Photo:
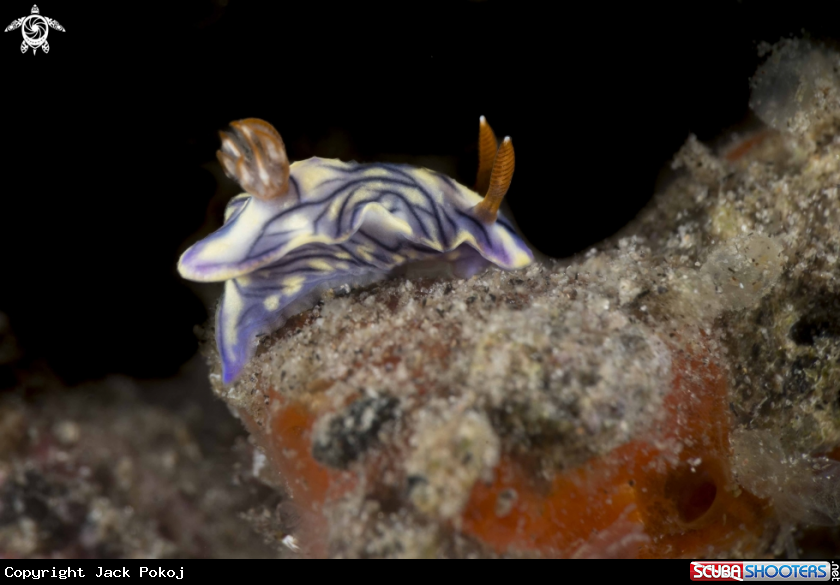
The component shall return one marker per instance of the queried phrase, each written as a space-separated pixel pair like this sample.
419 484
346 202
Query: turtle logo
35 28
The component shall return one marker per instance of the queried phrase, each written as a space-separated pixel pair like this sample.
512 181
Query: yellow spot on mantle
320 265
272 303
292 284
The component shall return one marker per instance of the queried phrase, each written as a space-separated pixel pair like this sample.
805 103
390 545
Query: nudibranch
299 229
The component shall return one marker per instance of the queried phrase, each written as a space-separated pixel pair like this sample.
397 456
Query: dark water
106 137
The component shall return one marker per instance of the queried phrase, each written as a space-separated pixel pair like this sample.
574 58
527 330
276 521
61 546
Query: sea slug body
317 223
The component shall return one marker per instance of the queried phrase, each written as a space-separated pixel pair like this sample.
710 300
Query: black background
106 139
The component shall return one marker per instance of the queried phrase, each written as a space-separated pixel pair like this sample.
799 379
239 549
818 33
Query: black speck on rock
798 383
352 431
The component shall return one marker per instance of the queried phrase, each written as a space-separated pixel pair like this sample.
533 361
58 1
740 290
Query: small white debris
291 543
258 463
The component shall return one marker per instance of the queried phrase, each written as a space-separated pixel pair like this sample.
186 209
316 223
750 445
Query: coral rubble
112 470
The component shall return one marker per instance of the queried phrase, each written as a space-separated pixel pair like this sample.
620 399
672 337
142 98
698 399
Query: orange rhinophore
495 172
254 155
487 147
